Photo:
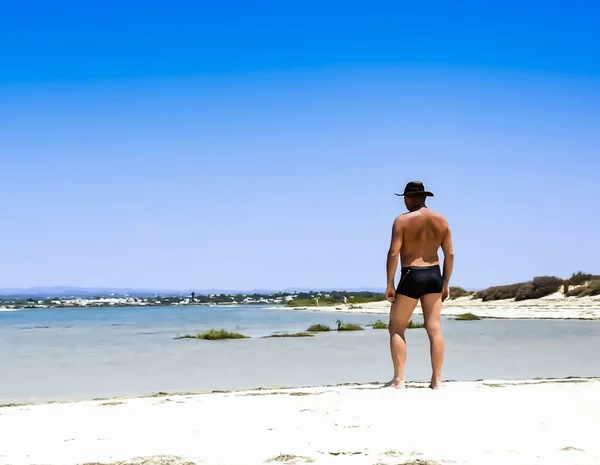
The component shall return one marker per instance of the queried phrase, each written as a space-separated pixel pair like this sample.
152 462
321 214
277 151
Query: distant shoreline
577 297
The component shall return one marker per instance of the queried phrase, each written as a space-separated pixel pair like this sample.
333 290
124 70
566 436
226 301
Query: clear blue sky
258 144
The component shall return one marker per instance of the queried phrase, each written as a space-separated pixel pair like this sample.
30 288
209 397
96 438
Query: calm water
86 353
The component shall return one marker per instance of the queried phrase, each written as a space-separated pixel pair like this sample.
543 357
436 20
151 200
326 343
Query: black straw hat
415 188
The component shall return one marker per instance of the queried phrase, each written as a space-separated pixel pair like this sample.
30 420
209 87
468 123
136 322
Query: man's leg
432 310
400 314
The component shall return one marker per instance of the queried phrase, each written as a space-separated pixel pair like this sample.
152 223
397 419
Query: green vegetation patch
213 335
316 299
467 317
379 325
318 329
318 302
413 325
341 326
302 334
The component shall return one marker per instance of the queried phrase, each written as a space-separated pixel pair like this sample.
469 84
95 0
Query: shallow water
56 354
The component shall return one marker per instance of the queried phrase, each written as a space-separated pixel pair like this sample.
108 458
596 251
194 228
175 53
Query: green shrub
379 325
508 291
579 278
319 329
302 334
467 317
341 326
541 286
412 325
213 335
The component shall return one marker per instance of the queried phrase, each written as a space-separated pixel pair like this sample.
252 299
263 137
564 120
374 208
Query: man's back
423 232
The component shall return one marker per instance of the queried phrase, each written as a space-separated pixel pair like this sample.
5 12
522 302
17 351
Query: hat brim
408 194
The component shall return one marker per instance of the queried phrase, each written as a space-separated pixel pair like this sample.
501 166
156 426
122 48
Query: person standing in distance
416 238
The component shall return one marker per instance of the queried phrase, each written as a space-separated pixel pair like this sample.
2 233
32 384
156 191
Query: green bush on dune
456 292
508 291
579 278
540 286
592 288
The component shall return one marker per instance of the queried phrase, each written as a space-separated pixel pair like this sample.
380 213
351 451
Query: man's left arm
392 259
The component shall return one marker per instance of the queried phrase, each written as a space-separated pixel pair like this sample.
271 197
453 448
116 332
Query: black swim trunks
416 281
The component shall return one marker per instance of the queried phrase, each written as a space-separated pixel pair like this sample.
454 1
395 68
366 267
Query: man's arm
448 250
394 252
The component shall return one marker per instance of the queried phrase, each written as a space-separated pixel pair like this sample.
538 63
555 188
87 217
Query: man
416 238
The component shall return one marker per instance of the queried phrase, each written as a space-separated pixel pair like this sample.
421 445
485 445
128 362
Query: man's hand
445 292
390 294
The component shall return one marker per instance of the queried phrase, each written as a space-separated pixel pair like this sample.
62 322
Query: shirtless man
416 238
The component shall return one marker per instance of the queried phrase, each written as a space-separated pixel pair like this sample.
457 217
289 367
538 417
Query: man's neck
417 207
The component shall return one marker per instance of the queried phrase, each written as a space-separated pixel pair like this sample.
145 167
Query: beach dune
490 422
551 307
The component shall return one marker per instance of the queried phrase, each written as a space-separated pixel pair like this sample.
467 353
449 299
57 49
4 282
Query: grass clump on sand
467 317
318 329
591 289
413 325
213 335
379 325
341 326
302 334
588 285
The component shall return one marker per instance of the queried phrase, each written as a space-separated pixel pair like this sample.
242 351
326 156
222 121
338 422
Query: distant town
123 300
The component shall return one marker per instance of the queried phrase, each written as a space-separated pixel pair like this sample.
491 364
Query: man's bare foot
435 384
396 384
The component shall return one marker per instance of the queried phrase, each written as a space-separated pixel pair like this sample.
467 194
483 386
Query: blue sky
258 145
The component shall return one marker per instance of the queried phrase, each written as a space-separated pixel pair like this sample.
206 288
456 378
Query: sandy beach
489 422
556 306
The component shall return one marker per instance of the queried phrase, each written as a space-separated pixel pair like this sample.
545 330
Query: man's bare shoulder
439 216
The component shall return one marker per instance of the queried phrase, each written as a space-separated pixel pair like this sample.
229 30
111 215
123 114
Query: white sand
519 423
556 306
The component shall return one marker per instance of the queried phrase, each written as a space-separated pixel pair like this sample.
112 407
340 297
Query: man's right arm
448 249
